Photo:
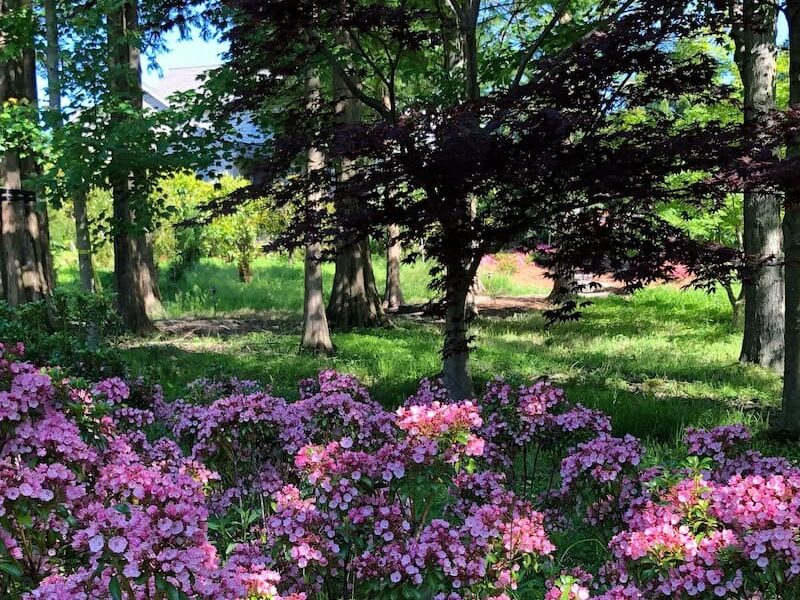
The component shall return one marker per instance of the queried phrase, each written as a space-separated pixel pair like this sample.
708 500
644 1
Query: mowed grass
658 361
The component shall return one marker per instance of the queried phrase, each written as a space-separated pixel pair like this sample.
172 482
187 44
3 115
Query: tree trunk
393 298
82 235
455 352
316 336
354 301
563 288
135 274
148 281
52 59
735 302
763 243
791 229
83 242
469 33
245 272
26 272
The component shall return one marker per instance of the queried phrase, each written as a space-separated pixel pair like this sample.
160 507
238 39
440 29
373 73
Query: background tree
578 135
53 11
108 142
354 301
25 263
316 334
393 295
135 276
756 56
791 229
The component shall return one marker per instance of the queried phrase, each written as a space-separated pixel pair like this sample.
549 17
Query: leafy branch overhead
581 140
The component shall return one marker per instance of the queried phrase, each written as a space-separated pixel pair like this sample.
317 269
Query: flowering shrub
108 491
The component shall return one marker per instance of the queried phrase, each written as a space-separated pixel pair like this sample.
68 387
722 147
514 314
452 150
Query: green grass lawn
277 286
656 362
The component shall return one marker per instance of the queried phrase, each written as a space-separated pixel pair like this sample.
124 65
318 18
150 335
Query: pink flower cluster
253 497
113 390
717 443
600 461
519 419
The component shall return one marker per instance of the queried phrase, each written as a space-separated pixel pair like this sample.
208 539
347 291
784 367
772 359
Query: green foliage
178 244
235 238
238 237
724 226
182 193
20 131
657 361
782 79
73 330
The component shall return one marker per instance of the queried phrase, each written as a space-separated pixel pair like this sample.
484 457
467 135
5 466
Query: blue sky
184 53
783 29
198 52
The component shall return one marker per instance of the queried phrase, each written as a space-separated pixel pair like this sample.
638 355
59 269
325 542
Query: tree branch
367 58
531 52
357 92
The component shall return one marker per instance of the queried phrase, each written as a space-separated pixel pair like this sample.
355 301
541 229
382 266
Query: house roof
181 79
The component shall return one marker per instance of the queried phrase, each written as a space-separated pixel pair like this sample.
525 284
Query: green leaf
114 588
11 569
173 593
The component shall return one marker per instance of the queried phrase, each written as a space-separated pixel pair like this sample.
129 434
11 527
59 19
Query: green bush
74 330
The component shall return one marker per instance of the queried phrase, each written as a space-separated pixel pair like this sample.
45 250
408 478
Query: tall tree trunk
791 229
148 281
135 274
466 13
82 235
354 302
52 59
468 24
26 272
316 335
393 298
455 352
83 242
763 240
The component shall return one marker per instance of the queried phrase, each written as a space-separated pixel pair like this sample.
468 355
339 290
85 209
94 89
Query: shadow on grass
653 376
390 361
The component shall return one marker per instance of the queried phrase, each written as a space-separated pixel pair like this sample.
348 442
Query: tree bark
83 242
791 229
354 302
148 280
316 335
26 272
763 239
455 352
245 272
563 288
393 298
135 275
52 59
469 33
82 235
